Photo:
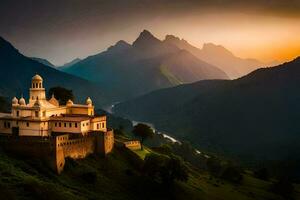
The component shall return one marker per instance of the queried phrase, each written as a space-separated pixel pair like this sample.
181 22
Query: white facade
42 117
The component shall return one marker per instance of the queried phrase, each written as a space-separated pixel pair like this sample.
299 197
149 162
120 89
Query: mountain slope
219 56
69 64
17 71
148 64
256 115
43 61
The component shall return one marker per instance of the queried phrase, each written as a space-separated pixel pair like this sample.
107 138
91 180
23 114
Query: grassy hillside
116 177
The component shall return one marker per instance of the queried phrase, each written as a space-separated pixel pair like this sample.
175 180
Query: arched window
40 85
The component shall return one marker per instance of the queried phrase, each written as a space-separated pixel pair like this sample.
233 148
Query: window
44 113
65 124
75 125
4 124
59 124
98 126
17 123
36 113
27 124
83 124
70 125
55 124
18 113
40 85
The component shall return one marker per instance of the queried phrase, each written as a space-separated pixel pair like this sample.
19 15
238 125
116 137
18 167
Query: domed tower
15 101
37 91
89 102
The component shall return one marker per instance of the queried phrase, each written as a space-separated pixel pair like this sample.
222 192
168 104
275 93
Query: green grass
115 177
143 152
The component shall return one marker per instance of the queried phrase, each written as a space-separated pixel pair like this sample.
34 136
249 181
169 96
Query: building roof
76 118
37 77
80 105
5 115
69 118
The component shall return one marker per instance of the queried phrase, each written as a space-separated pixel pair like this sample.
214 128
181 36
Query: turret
69 102
15 101
89 102
37 91
22 101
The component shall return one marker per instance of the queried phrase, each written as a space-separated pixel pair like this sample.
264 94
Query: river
110 108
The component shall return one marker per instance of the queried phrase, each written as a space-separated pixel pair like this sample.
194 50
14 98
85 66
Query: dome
22 101
14 101
69 102
37 78
89 101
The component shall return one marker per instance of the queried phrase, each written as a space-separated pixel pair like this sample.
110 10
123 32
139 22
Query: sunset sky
63 30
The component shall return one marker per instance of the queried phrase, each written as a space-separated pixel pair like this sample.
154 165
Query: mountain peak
173 38
119 46
146 33
210 47
145 38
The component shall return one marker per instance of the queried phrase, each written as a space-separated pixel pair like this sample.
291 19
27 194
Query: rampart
54 150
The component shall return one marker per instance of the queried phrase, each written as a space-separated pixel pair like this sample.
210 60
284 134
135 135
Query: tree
61 94
4 105
232 174
165 169
143 131
174 169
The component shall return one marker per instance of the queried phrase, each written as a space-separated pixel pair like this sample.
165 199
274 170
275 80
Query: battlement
53 150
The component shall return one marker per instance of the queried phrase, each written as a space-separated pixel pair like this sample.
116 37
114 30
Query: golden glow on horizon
265 38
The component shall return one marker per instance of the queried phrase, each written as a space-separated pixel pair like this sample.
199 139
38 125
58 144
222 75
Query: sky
60 31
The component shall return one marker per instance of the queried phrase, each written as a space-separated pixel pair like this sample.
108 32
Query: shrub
165 169
232 174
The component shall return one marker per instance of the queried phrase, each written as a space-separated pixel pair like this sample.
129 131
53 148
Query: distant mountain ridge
43 61
69 64
256 116
17 71
217 55
148 64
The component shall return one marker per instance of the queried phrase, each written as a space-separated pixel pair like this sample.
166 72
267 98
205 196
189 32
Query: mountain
69 64
17 71
256 116
126 71
219 56
43 61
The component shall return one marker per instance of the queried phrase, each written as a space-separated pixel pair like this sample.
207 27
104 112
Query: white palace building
42 117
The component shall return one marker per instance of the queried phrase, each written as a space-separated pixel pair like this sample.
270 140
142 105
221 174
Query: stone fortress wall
53 150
